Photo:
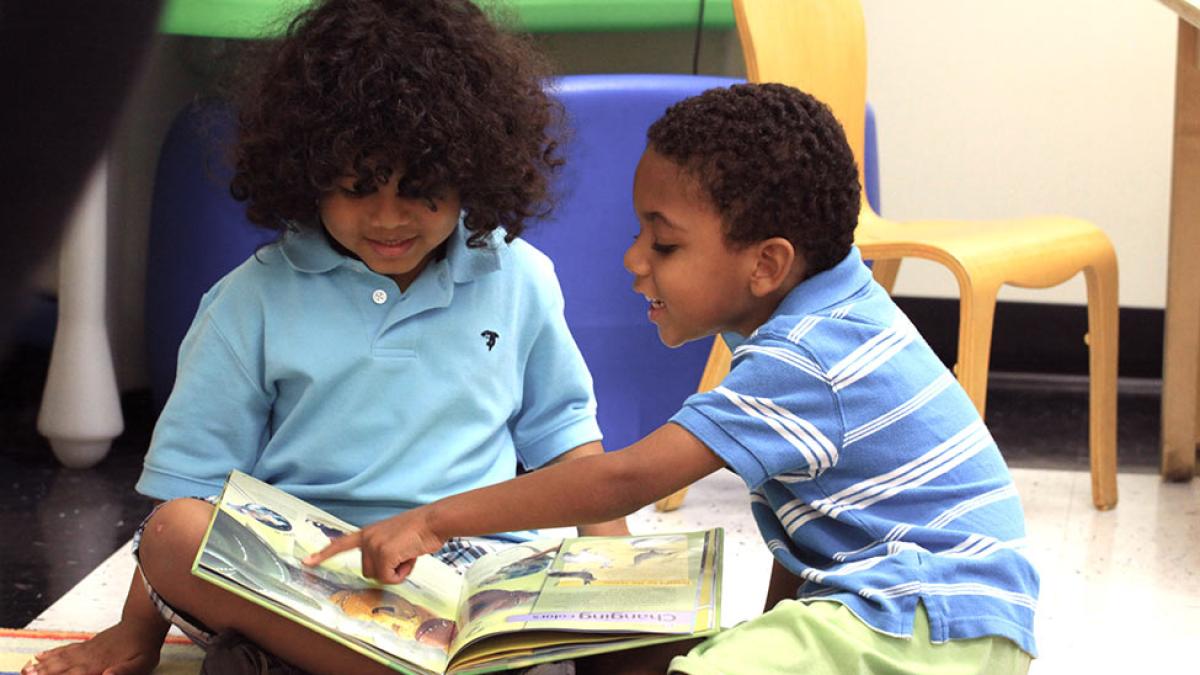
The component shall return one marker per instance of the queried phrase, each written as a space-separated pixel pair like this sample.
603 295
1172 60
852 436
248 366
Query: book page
655 584
254 547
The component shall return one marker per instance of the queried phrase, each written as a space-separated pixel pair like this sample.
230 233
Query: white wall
994 109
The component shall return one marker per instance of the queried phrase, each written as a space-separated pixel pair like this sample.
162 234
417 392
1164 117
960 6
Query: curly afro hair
775 163
429 88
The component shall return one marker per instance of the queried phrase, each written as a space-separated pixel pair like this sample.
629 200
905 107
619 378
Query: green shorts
826 637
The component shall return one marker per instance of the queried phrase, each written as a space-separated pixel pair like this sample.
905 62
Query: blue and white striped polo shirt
873 478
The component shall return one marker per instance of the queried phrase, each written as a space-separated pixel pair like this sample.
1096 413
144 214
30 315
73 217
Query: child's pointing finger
349 541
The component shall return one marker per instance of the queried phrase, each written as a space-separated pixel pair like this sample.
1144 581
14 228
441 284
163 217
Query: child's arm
782 586
591 489
611 528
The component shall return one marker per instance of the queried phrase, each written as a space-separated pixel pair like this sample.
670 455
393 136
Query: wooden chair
819 46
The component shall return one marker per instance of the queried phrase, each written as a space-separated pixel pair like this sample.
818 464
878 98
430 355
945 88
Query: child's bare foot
124 649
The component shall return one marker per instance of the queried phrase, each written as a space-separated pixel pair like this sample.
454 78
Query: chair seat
1033 252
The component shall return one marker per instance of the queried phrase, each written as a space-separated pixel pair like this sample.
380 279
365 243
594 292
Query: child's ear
774 265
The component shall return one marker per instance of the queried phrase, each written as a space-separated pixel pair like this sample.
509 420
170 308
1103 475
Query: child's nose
635 258
395 210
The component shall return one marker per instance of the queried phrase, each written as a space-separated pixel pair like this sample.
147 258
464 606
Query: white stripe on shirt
802 327
901 411
964 507
944 518
915 587
814 447
787 356
947 455
873 353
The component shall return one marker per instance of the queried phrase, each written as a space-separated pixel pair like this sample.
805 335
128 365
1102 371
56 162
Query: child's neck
760 314
764 307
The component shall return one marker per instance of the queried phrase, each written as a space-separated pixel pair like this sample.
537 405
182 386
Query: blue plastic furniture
871 163
198 232
639 382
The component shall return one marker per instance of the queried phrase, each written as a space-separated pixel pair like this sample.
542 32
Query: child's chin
673 341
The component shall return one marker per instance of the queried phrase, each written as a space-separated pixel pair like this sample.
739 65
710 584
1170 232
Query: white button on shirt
379 296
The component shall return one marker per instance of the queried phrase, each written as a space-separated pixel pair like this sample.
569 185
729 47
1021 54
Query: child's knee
172 536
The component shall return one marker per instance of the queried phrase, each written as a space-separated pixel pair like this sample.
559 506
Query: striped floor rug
17 647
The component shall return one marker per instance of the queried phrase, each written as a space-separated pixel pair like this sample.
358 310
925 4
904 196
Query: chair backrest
639 382
817 46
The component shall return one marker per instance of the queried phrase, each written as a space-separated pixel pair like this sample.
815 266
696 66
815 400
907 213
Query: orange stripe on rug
71 636
18 647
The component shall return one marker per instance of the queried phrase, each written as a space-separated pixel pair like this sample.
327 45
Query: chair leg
715 370
671 502
977 311
1103 344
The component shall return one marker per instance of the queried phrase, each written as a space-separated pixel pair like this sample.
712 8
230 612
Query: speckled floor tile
1129 577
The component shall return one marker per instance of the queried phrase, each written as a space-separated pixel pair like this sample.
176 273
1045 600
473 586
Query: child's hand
389 547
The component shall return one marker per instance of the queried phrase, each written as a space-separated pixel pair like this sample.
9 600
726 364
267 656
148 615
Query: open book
544 600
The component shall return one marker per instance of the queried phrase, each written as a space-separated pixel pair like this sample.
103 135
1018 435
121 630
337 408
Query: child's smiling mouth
656 307
391 248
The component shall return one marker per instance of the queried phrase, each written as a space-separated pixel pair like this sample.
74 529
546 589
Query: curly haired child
396 345
892 518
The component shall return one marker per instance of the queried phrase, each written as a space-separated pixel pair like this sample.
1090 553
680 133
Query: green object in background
267 18
227 18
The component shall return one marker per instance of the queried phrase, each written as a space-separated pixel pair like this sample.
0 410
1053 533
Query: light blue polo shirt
873 479
307 370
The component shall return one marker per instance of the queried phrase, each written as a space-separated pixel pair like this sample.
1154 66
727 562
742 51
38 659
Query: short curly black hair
431 88
775 163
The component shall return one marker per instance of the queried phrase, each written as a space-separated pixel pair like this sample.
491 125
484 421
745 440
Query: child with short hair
396 345
891 515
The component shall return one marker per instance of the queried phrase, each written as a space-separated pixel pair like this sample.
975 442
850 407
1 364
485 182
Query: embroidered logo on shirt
491 336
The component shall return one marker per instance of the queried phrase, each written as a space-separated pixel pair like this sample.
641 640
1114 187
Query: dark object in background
198 231
67 68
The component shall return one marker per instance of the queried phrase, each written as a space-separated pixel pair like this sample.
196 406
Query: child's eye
410 189
353 191
663 249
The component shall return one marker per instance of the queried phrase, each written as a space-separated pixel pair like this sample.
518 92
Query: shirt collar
827 289
308 250
467 263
